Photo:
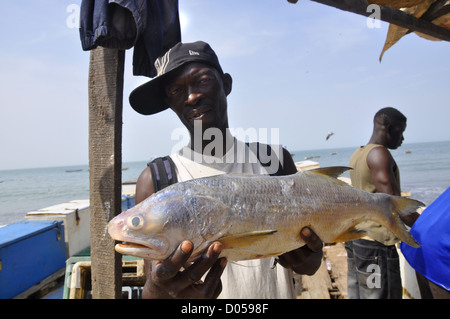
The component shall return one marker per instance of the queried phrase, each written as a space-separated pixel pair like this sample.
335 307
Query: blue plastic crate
30 251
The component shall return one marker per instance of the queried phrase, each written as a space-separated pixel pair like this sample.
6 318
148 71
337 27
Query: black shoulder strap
269 152
163 172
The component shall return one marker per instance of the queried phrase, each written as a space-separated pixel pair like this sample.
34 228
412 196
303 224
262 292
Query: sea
424 172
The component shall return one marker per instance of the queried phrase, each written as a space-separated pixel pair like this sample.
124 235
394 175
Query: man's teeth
198 115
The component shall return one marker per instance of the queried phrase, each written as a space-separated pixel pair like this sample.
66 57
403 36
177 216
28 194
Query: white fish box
409 280
75 217
306 165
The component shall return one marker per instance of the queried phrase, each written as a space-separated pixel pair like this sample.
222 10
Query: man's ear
387 128
227 83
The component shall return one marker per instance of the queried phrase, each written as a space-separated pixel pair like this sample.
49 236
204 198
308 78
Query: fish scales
255 216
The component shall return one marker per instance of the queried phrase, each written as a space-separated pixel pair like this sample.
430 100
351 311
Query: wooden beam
105 162
393 16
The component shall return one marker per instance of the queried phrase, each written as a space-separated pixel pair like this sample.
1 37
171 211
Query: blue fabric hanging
432 231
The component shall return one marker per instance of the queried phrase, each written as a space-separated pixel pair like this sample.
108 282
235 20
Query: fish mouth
142 251
133 249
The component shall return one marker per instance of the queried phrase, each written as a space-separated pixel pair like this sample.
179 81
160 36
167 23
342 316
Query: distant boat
310 157
333 153
124 168
407 152
73 170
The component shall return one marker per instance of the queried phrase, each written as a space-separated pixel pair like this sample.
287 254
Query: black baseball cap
149 97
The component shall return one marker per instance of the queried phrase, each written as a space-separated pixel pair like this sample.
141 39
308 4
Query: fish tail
401 207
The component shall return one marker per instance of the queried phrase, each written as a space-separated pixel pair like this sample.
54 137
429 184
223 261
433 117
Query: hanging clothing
151 26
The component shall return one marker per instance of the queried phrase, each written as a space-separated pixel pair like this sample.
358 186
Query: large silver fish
256 216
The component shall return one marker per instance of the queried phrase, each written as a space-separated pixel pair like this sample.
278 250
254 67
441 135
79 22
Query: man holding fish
231 207
191 82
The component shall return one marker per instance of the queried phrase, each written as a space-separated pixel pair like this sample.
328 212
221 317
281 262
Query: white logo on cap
162 62
193 53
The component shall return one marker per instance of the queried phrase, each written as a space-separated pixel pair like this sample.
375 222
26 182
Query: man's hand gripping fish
256 216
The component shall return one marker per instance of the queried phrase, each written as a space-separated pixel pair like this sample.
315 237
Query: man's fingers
213 284
311 239
187 283
211 287
196 271
169 267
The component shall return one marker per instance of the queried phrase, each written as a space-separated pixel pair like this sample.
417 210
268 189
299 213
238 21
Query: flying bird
329 135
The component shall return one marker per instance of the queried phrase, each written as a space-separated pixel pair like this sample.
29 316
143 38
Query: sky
299 71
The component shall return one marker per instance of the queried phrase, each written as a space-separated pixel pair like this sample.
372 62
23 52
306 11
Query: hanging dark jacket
151 26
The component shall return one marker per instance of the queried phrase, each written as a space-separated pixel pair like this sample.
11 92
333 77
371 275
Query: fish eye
135 222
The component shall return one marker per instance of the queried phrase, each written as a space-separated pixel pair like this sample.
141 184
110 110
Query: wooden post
105 167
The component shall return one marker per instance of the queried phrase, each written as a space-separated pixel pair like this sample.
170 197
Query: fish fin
403 207
406 206
244 239
389 217
350 234
332 171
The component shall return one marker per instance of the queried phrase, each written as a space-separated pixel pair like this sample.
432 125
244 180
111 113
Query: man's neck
213 141
377 139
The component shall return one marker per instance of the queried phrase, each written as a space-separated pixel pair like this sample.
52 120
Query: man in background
373 263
